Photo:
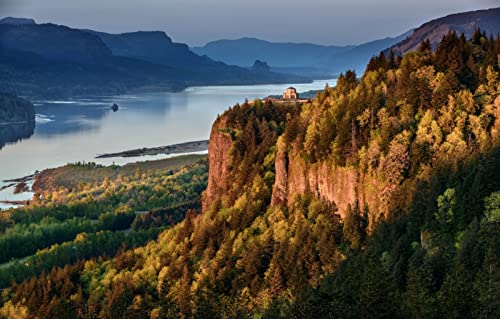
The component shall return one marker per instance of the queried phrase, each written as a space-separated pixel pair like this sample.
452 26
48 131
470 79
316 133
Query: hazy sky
199 21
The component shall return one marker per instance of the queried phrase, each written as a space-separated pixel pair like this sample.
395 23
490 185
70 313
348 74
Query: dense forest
14 109
117 207
421 133
17 119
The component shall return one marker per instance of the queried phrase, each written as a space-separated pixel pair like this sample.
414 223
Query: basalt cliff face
218 156
294 176
371 189
326 181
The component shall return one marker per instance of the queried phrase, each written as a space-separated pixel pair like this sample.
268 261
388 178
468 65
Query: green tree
455 294
492 207
487 289
419 301
353 227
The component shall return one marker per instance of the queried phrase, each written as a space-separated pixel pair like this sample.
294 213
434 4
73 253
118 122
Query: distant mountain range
302 58
321 60
55 60
466 22
245 51
156 47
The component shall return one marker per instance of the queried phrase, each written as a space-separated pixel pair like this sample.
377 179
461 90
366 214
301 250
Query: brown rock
218 161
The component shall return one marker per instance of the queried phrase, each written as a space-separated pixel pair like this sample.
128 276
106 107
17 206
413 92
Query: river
74 130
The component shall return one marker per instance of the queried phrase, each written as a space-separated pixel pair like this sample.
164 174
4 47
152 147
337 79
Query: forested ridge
116 208
419 135
14 109
17 118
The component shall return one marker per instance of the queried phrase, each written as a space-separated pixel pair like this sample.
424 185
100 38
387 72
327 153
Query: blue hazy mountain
55 60
245 51
357 58
295 57
17 21
158 48
53 42
153 46
466 22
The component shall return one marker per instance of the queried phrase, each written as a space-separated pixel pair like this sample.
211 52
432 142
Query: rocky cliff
343 186
373 184
294 176
218 157
332 184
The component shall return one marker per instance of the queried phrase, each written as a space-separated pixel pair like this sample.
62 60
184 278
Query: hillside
71 62
17 119
355 58
53 42
14 109
16 21
245 51
85 210
466 22
156 47
300 58
378 199
48 60
152 46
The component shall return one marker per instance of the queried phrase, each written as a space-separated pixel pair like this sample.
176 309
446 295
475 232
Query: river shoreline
15 123
86 128
187 147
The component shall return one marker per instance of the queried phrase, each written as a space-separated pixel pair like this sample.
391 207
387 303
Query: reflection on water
81 115
79 129
10 133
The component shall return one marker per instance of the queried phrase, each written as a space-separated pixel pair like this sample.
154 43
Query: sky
196 22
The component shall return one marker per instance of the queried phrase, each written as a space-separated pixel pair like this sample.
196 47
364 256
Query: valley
75 214
373 194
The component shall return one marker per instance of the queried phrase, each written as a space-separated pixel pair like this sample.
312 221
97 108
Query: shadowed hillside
467 23
48 60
